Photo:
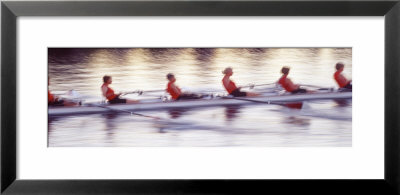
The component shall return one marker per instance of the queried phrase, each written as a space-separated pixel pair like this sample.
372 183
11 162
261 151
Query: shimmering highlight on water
318 123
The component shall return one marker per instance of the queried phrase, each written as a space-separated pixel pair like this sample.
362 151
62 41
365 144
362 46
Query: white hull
54 111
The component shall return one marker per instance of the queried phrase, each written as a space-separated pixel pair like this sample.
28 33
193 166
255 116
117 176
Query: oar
132 92
161 96
159 119
251 86
263 102
256 101
140 92
318 87
149 95
127 111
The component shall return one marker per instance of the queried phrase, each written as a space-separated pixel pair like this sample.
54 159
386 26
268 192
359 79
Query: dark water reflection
177 112
323 123
232 112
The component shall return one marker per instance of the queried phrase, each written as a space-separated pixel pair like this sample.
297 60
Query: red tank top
230 87
173 94
50 97
340 79
287 86
110 95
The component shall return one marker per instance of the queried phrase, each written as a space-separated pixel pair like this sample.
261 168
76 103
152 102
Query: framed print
134 67
182 70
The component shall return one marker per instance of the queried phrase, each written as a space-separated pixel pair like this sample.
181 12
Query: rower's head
285 70
107 79
228 71
171 77
339 66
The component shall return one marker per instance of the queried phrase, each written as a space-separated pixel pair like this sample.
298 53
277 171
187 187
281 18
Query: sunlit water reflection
318 123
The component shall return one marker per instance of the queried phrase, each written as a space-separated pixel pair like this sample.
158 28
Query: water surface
318 123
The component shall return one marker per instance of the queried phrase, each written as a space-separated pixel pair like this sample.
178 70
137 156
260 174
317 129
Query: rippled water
318 123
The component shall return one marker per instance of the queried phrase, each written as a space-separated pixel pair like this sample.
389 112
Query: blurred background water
318 123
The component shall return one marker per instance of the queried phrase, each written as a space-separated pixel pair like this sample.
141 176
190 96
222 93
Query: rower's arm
226 83
289 82
176 89
342 77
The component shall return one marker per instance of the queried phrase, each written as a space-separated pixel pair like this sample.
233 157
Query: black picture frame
10 10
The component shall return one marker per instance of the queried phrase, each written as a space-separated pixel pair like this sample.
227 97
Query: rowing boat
216 101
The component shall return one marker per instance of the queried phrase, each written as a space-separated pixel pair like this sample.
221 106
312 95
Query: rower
109 94
230 86
340 79
175 91
287 84
56 101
